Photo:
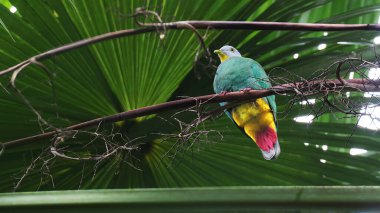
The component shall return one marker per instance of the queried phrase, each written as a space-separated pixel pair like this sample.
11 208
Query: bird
257 118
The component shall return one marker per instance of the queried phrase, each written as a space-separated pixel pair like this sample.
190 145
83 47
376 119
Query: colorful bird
256 119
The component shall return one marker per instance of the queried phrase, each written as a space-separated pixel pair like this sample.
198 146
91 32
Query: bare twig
334 106
161 28
28 170
114 142
41 121
2 148
338 69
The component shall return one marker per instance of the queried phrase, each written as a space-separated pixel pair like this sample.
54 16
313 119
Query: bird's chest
231 80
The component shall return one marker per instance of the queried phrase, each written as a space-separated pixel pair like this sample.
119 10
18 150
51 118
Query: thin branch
2 148
28 170
338 70
184 25
328 85
40 119
261 25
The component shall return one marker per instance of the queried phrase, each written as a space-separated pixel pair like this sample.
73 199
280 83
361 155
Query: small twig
199 36
161 28
338 73
28 170
142 11
334 106
108 153
40 119
16 72
2 148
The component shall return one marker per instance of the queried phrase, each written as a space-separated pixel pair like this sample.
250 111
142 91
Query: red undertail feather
266 139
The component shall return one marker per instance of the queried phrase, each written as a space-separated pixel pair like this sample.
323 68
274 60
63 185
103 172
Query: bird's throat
222 57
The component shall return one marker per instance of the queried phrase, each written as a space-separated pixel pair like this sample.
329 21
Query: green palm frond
132 72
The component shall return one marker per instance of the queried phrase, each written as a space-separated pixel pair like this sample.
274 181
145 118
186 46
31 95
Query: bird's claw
245 90
223 93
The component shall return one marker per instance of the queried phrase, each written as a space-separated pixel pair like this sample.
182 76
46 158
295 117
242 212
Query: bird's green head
227 52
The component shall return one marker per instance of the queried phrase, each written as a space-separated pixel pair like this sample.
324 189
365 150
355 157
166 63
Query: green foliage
132 72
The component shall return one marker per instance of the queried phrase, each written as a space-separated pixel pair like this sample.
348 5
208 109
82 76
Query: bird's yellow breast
254 117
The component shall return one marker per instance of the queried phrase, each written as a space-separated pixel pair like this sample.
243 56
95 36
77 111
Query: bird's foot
245 90
223 93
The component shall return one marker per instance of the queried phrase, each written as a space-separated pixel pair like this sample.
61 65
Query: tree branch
260 25
364 85
78 44
184 25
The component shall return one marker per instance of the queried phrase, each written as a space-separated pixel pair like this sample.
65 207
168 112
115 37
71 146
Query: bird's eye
232 49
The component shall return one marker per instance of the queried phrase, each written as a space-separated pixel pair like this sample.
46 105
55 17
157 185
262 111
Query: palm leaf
128 73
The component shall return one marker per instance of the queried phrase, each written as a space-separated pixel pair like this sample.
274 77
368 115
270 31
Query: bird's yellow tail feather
257 121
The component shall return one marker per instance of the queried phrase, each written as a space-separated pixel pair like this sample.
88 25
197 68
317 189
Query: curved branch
199 37
334 106
78 44
181 25
329 85
338 76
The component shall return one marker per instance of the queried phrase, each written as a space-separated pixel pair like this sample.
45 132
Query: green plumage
238 73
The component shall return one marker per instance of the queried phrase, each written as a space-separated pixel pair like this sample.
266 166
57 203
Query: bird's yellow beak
218 52
221 55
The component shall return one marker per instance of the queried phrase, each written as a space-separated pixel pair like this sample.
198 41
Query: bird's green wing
261 81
